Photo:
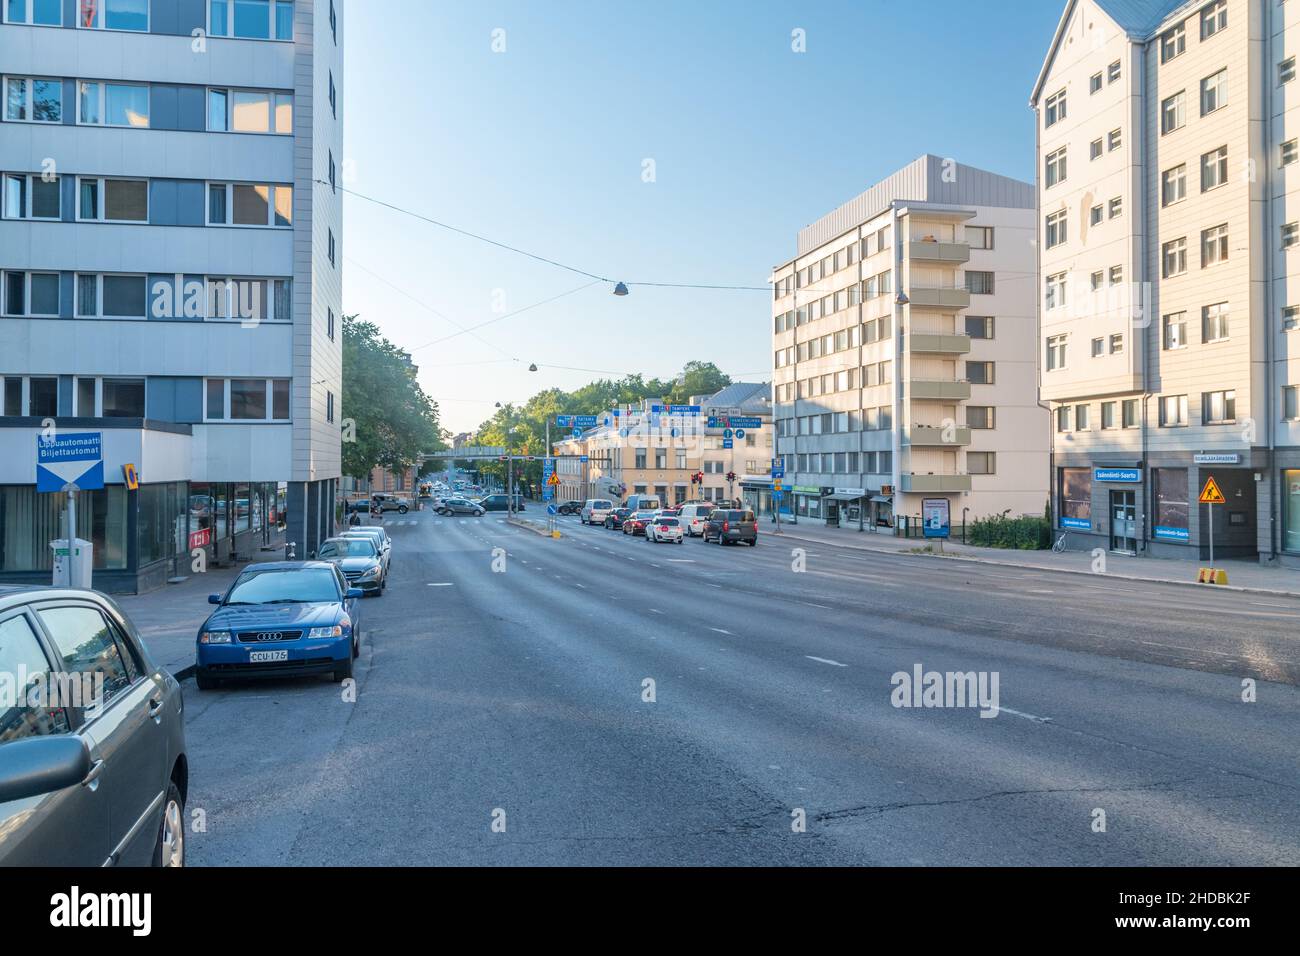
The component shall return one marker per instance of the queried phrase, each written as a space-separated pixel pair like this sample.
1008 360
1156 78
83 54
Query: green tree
389 420
698 378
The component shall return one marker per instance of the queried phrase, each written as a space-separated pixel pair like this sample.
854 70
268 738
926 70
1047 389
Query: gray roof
928 179
1139 18
741 395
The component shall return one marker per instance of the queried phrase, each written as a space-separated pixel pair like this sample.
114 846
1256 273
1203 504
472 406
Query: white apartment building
903 352
169 254
1169 227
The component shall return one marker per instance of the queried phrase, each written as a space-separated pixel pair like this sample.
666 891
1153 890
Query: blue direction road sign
726 433
563 421
552 510
778 495
584 458
74 458
728 443
734 421
740 433
778 467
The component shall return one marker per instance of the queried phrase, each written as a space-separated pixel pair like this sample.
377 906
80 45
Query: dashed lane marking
825 660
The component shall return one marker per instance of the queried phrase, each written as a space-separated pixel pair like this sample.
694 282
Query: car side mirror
214 598
40 765
354 593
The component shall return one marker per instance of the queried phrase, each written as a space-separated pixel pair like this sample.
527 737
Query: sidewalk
1243 575
169 619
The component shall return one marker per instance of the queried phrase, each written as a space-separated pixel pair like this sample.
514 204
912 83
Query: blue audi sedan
281 619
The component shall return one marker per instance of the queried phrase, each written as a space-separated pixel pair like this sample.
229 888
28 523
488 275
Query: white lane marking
681 560
577 585
655 610
442 584
718 586
1017 713
653 565
823 660
721 631
824 607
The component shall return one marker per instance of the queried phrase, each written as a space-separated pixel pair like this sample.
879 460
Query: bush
1026 533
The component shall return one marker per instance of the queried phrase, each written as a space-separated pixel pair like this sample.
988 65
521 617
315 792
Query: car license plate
263 657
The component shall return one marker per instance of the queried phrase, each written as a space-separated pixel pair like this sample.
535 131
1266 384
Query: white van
596 510
643 503
694 516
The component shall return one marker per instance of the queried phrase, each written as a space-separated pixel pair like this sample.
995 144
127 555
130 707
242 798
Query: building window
250 111
1055 111
1214 92
1098 347
330 325
980 416
1174 257
130 15
112 200
1290 403
1214 322
1219 408
1095 280
1286 70
33 99
1096 215
1116 275
38 13
1055 167
31 294
248 299
1214 17
1290 234
251 19
249 400
113 104
1290 152
1115 208
1291 522
1173 185
334 97
1173 411
1114 140
1076 497
329 407
122 398
1117 343
1056 229
1094 83
1113 72
980 373
979 283
1174 331
1290 317
1173 112
979 326
1173 43
1095 149
330 248
32 197
1108 419
1063 418
1056 352
1129 411
1082 422
981 463
250 204
1055 290
1214 245
1169 488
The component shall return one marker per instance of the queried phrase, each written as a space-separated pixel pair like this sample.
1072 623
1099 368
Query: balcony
935 484
956 253
938 344
932 435
931 297
933 390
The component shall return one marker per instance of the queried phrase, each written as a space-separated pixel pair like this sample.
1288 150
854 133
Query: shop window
1076 498
1169 488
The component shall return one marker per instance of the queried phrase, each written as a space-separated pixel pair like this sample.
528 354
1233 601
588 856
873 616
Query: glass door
1123 522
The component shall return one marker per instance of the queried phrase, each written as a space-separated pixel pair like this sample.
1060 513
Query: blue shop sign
1080 524
1125 476
1173 534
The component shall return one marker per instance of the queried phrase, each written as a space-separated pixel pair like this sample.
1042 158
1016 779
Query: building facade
903 358
1170 196
169 252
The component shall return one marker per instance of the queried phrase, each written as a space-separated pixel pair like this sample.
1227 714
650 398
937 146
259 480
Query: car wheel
170 849
681 540
402 509
343 673
479 513
203 682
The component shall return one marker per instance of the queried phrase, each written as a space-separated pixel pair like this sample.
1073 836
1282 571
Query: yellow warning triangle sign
1211 495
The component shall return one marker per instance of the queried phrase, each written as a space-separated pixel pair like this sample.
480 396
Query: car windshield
600 504
347 548
285 586
364 536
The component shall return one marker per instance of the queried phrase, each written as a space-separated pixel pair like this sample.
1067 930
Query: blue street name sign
1126 476
75 458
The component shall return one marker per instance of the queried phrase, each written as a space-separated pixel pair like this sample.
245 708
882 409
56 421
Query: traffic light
731 476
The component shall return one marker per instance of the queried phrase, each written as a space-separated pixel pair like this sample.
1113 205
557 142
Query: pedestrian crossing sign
1211 495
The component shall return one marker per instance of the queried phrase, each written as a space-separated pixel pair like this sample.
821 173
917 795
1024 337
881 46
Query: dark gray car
461 506
93 768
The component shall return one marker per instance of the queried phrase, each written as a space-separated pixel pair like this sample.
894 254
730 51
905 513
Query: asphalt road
517 696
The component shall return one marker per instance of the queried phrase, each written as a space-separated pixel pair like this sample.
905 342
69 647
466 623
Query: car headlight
319 633
214 637
372 573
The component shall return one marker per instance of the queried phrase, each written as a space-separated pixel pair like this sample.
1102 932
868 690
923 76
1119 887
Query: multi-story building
672 452
170 255
904 368
1169 198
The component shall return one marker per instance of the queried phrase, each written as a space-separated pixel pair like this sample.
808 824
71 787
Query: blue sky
542 147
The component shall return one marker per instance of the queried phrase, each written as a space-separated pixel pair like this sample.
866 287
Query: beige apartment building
903 352
680 453
1169 226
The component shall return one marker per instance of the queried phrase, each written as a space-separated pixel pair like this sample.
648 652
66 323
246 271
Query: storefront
845 507
757 495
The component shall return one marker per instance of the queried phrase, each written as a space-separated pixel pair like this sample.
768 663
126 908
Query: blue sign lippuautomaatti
76 458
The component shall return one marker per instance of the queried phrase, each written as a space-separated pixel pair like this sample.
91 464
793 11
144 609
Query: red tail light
725 526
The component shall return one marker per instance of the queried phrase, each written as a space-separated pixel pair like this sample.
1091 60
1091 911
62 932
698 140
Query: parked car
379 536
281 619
595 510
95 785
635 523
665 528
569 507
500 502
359 560
614 520
728 525
460 506
386 502
694 516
